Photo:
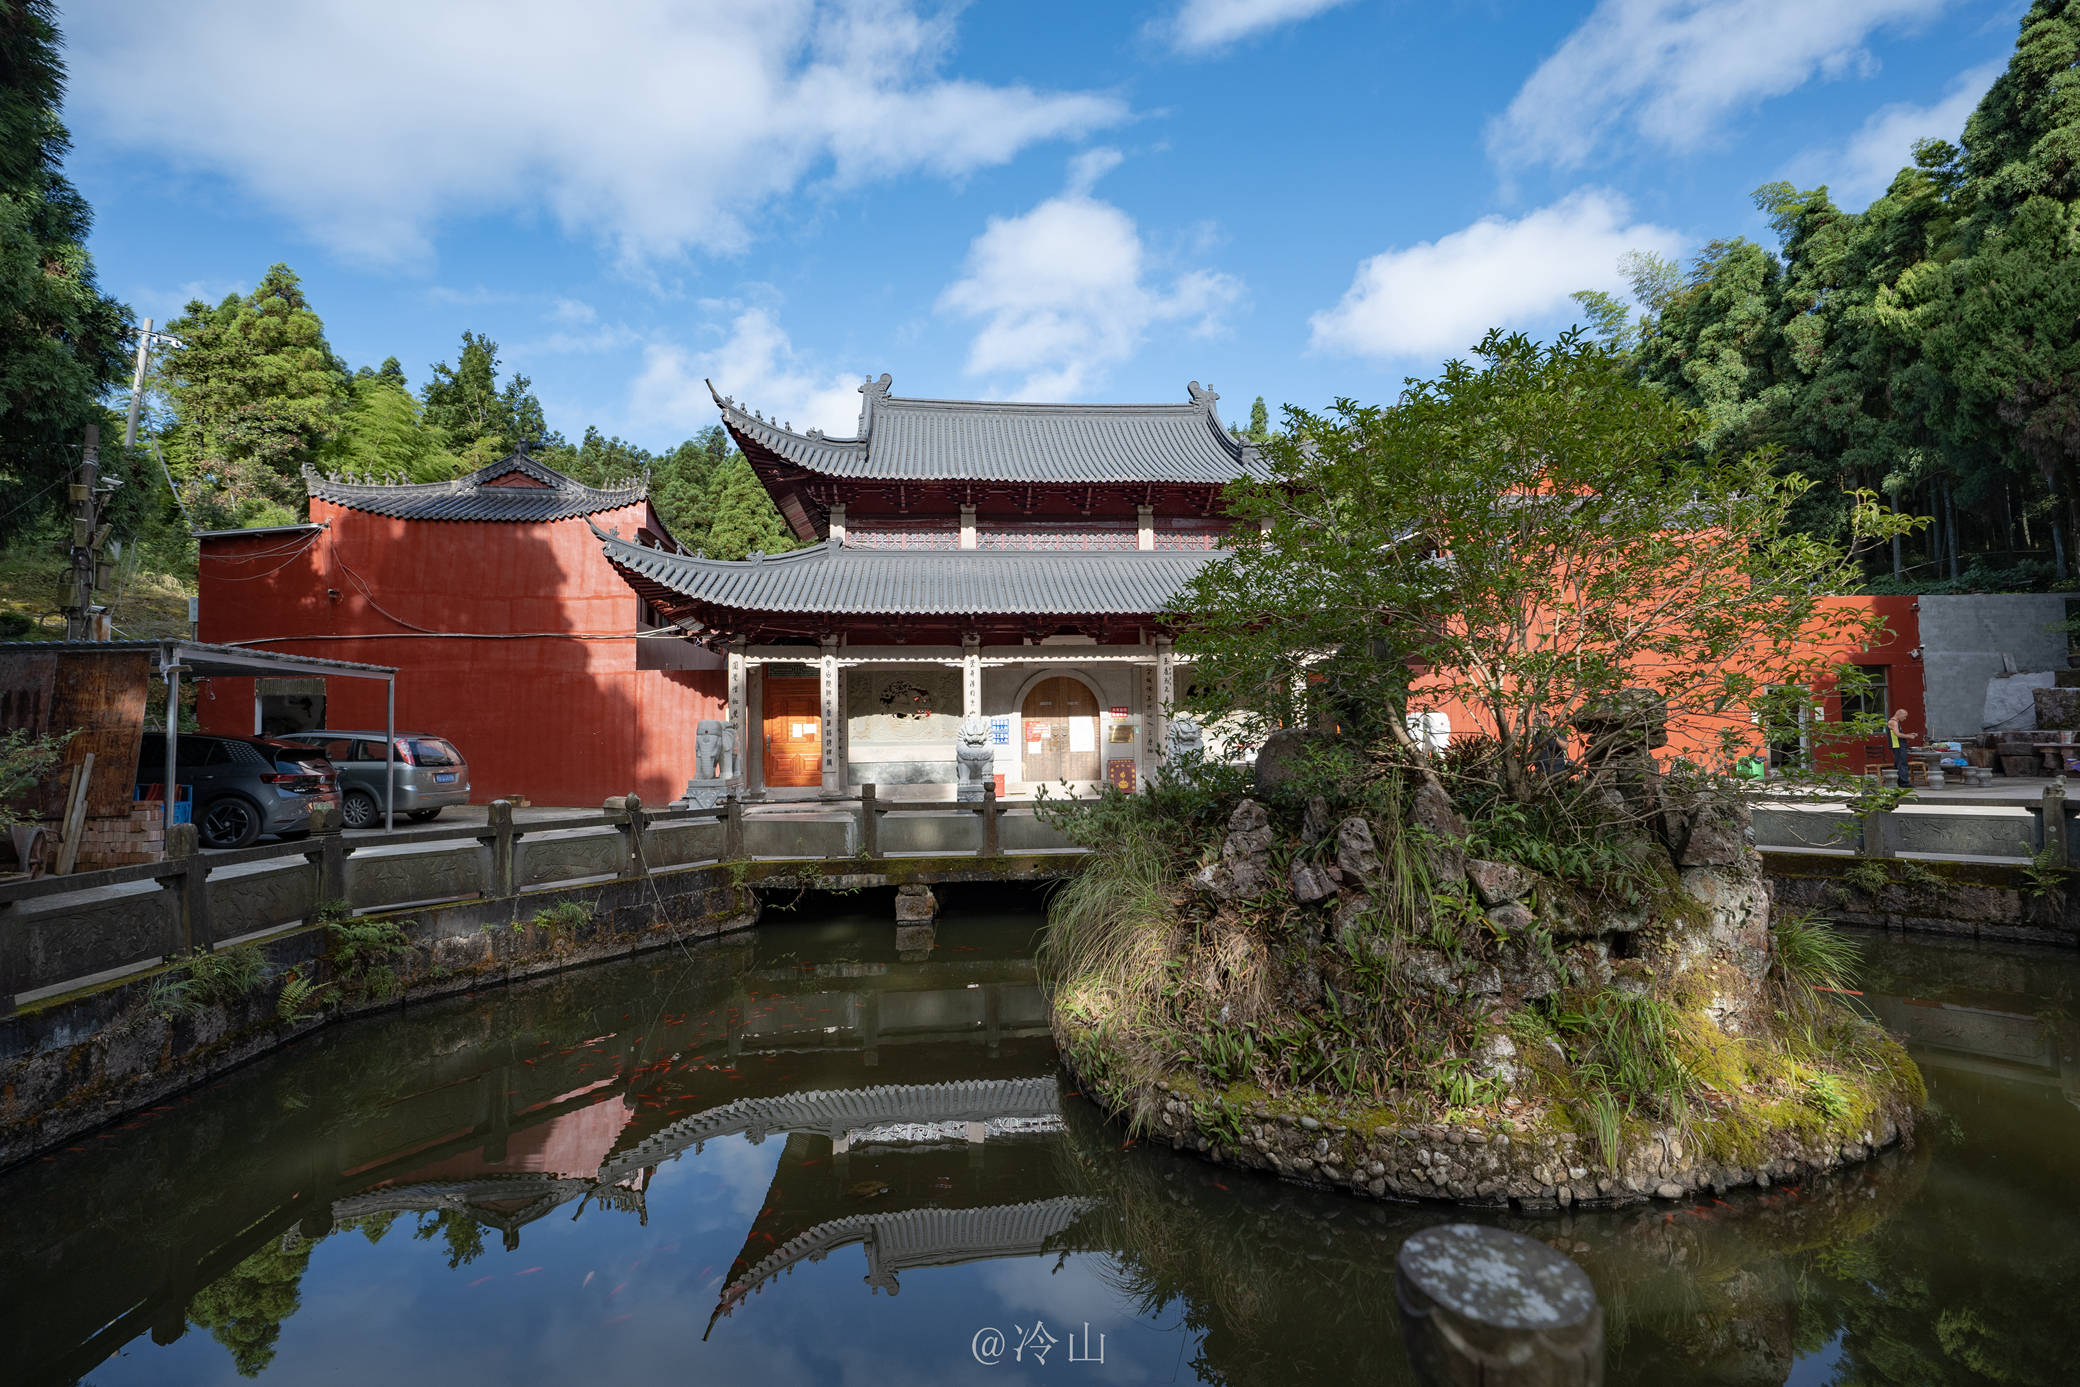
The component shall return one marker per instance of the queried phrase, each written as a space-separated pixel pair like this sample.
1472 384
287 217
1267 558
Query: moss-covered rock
1492 1017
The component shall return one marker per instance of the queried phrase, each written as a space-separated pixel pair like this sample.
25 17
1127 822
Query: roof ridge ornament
1203 396
872 391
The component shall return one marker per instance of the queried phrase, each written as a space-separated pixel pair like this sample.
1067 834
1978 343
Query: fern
300 997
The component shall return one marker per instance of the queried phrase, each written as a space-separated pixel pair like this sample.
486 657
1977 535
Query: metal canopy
203 659
170 659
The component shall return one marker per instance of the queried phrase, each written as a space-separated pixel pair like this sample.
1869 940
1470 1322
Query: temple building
981 571
510 637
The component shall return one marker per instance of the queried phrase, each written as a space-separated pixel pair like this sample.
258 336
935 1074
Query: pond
798 1156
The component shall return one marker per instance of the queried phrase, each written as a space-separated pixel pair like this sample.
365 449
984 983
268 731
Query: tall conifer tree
64 342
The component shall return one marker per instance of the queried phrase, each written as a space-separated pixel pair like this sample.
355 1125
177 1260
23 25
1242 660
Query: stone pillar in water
1483 1306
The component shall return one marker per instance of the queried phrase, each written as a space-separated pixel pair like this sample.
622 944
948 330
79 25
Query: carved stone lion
973 758
1185 738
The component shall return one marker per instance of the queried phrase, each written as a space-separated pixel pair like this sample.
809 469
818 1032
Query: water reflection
804 1155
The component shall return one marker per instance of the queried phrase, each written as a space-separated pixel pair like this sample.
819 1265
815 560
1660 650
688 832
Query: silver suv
431 774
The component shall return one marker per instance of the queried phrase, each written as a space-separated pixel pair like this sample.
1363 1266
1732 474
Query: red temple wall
1698 738
535 712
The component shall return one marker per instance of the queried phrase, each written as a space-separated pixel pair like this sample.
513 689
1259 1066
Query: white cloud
1200 26
1865 167
1437 299
657 127
1674 70
1066 290
756 363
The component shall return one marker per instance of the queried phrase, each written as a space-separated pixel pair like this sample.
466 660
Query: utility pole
92 556
144 352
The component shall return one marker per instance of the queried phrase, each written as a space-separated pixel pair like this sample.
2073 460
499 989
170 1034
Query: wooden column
837 521
1146 527
827 687
968 539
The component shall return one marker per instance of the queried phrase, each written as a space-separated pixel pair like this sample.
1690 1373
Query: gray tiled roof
999 441
828 578
473 498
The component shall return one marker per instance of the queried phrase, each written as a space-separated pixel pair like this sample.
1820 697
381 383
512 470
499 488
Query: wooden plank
75 814
100 694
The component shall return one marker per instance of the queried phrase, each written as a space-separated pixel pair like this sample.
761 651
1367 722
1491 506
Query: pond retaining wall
89 1030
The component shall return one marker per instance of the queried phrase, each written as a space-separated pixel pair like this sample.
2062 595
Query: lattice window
1050 537
922 536
1189 532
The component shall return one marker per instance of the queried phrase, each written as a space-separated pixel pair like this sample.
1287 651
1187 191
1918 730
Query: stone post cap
499 811
1497 1279
327 818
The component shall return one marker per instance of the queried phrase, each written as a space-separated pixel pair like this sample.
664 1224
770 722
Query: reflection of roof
935 582
903 1239
836 1112
536 1195
1001 441
515 488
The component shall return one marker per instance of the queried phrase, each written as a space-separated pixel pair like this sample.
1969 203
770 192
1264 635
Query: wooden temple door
1060 725
794 733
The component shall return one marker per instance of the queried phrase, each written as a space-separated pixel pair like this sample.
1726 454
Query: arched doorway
1060 718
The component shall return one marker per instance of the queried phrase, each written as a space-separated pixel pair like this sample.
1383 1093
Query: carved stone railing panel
567 856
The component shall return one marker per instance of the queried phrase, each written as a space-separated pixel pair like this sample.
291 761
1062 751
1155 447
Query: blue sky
1295 198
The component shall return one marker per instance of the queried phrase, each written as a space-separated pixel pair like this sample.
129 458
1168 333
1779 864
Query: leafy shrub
24 762
361 954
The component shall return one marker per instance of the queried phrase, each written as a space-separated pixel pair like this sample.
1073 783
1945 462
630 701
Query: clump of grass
207 979
563 920
1111 924
1807 953
1627 1042
1601 1114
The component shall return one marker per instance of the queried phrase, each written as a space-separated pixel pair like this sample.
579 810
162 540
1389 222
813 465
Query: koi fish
482 1279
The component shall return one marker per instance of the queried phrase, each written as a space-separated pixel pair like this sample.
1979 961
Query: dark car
430 773
243 787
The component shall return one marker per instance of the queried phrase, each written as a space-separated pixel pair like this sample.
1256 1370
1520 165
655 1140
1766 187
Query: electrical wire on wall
413 630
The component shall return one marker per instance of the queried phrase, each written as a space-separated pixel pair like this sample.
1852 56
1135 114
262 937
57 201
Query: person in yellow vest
1896 738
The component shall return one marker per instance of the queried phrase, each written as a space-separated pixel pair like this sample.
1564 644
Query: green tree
256 394
480 421
245 1308
679 483
741 517
382 432
1532 533
1925 348
597 460
64 340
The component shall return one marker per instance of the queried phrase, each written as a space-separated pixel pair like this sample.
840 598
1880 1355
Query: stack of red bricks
139 836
